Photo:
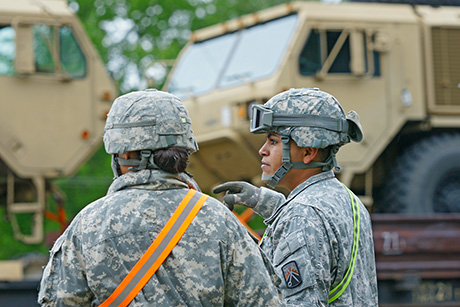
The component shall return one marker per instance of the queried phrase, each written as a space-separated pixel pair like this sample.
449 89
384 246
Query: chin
265 181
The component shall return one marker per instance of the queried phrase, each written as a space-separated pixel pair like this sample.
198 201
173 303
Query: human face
127 155
272 154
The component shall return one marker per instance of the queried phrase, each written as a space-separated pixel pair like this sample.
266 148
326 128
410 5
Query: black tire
426 178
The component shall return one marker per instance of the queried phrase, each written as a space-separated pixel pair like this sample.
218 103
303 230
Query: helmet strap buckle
276 177
286 157
145 156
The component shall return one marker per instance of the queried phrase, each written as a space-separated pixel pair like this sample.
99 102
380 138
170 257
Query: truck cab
395 64
56 93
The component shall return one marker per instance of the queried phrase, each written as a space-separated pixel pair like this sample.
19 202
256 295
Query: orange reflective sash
158 251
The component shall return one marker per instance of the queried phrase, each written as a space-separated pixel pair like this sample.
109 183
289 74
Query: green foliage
11 248
131 35
90 183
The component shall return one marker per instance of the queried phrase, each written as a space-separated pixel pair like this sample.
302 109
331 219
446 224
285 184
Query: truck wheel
426 178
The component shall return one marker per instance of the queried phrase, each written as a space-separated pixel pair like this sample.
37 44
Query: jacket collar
298 189
152 180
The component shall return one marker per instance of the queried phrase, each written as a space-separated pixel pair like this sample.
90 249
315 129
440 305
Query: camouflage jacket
216 262
309 240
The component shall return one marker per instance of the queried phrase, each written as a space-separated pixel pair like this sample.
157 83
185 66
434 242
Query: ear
309 154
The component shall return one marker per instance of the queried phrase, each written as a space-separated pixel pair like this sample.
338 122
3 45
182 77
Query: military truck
55 94
397 65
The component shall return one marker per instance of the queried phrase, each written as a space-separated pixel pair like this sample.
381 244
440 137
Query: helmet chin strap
273 180
145 162
115 166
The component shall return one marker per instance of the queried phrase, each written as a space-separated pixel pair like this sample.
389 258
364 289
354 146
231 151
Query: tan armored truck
55 93
397 65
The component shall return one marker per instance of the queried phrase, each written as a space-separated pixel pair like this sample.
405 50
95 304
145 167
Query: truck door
45 70
346 63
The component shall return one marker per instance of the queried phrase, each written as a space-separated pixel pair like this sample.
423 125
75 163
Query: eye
272 141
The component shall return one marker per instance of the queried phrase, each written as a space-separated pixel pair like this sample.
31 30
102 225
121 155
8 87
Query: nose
263 150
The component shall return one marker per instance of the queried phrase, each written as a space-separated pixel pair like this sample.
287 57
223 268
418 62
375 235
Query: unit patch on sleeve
291 274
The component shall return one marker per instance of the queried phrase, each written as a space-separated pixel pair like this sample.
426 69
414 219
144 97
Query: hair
172 160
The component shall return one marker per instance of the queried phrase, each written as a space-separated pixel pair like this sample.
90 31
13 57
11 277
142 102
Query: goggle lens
261 120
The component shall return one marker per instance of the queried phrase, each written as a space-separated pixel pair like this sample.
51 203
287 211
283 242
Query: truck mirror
358 59
24 60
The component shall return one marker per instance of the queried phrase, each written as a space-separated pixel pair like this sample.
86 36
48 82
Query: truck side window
71 59
44 41
310 58
7 50
341 62
319 47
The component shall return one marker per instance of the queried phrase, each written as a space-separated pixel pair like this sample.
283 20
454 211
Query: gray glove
238 193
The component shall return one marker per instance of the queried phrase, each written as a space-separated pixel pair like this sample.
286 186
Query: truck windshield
232 59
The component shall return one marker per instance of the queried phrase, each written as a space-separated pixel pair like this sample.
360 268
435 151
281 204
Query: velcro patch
291 274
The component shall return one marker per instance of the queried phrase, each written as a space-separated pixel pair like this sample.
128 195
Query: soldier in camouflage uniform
215 263
310 239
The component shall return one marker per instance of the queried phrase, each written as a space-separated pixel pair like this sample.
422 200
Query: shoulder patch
291 275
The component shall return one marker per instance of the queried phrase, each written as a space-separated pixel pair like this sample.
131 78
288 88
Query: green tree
132 34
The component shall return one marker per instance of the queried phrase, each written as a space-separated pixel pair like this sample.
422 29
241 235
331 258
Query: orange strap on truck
158 251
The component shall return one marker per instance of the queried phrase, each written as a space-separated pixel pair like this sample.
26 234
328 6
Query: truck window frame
48 54
327 51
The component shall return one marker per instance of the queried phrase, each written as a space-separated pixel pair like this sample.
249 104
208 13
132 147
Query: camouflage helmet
312 118
146 121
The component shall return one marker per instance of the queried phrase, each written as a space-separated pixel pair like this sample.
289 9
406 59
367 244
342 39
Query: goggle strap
313 121
264 120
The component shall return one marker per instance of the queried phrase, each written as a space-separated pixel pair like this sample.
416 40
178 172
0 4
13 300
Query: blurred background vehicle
55 93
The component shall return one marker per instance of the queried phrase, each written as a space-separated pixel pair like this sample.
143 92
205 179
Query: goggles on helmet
264 120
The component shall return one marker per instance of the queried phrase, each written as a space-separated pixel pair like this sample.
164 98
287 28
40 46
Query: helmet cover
322 106
148 120
312 118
